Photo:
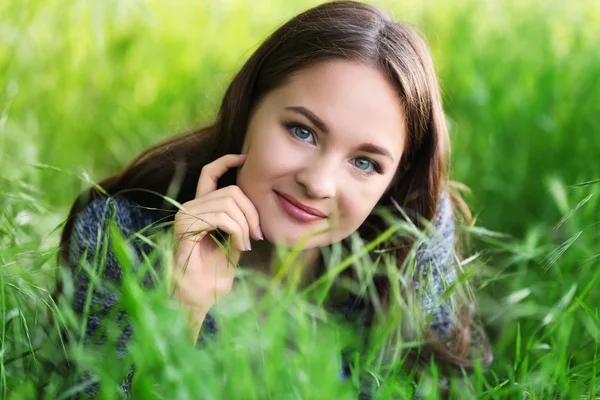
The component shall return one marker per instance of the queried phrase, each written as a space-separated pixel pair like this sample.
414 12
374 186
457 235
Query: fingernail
260 234
248 246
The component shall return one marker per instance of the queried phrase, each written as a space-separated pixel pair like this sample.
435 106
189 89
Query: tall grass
87 85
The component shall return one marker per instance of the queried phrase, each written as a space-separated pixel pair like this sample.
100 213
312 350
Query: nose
319 178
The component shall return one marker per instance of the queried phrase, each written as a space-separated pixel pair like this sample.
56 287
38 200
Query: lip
298 210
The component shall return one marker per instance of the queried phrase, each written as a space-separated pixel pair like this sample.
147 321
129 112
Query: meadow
85 86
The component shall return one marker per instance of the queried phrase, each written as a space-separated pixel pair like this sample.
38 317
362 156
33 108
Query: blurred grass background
87 85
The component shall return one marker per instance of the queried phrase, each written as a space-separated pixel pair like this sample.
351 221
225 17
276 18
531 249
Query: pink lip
298 210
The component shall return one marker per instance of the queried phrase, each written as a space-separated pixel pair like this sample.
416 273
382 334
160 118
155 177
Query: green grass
88 85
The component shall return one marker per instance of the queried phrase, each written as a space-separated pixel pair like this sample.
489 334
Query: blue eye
302 133
364 164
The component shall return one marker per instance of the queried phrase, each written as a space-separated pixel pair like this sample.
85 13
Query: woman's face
330 139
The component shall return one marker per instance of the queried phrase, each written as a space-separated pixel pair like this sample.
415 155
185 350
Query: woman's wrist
195 313
195 318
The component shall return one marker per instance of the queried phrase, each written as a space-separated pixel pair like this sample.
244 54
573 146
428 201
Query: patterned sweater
433 273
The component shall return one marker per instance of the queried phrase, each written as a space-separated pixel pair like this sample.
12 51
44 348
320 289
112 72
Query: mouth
299 211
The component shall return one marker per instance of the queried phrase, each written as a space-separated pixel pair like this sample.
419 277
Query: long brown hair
336 30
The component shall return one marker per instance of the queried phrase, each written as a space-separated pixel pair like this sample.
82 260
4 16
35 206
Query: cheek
271 155
356 204
269 158
356 207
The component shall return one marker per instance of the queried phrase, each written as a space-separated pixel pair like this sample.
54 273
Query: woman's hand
203 271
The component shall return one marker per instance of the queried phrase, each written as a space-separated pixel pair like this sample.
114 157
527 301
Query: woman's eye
364 164
302 133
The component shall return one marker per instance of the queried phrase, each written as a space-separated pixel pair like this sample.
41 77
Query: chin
290 239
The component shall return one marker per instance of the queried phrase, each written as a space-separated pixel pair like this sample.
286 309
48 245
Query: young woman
337 114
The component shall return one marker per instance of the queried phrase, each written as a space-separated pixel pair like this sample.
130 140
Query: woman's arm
435 269
433 273
88 237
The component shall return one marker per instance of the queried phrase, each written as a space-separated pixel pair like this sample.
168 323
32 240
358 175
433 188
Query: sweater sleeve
435 270
88 238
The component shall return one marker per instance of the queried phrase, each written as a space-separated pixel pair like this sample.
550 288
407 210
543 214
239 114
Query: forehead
357 102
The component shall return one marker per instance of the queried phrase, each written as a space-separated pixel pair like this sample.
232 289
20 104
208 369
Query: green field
87 85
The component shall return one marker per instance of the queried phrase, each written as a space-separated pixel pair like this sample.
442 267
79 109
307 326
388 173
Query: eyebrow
366 147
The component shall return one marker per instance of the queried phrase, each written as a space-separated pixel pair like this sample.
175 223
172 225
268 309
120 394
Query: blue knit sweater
433 273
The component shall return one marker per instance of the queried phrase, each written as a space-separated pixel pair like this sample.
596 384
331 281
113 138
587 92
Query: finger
227 205
243 202
228 225
210 221
210 174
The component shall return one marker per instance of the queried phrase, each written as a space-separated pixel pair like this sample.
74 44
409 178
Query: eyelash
291 125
